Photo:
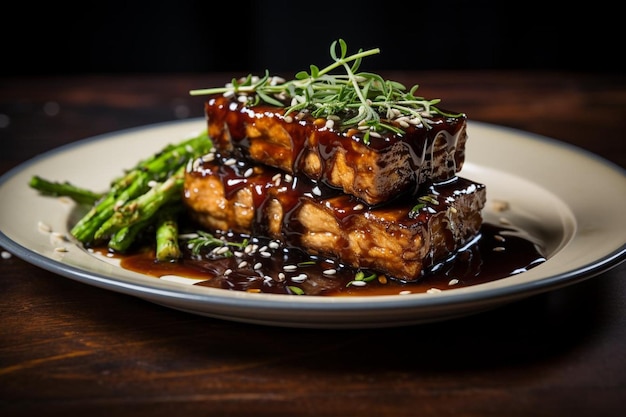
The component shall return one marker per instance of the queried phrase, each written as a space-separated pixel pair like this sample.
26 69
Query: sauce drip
305 145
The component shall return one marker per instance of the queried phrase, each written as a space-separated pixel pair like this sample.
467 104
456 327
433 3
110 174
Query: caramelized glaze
372 167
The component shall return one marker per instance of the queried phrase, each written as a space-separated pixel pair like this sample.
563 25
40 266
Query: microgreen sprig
360 278
358 99
423 201
208 241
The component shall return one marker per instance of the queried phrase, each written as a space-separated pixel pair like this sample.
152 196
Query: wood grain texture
69 348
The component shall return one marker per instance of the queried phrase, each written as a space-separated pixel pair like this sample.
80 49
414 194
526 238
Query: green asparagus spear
58 189
147 195
125 237
97 223
167 247
143 207
86 228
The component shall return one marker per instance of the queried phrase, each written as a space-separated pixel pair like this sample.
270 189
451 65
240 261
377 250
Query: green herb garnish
359 100
360 277
295 290
423 202
208 241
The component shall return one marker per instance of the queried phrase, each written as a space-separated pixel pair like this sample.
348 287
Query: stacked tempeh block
392 203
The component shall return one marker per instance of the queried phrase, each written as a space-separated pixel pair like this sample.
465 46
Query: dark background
286 36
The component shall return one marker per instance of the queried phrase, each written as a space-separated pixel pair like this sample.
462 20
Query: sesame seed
56 240
238 253
288 119
330 272
499 249
275 80
230 162
274 245
221 250
6 255
329 124
258 266
265 254
248 172
375 134
358 283
60 249
263 248
228 272
252 249
188 235
290 268
242 264
58 236
433 291
453 281
288 178
499 205
404 292
499 238
299 278
394 113
281 276
44 227
358 207
208 157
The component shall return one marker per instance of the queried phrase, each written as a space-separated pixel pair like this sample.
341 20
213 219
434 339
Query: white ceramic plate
569 199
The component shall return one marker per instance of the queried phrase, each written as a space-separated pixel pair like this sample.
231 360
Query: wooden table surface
68 348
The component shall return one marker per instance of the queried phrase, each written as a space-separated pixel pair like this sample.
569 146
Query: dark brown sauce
422 147
496 253
268 266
